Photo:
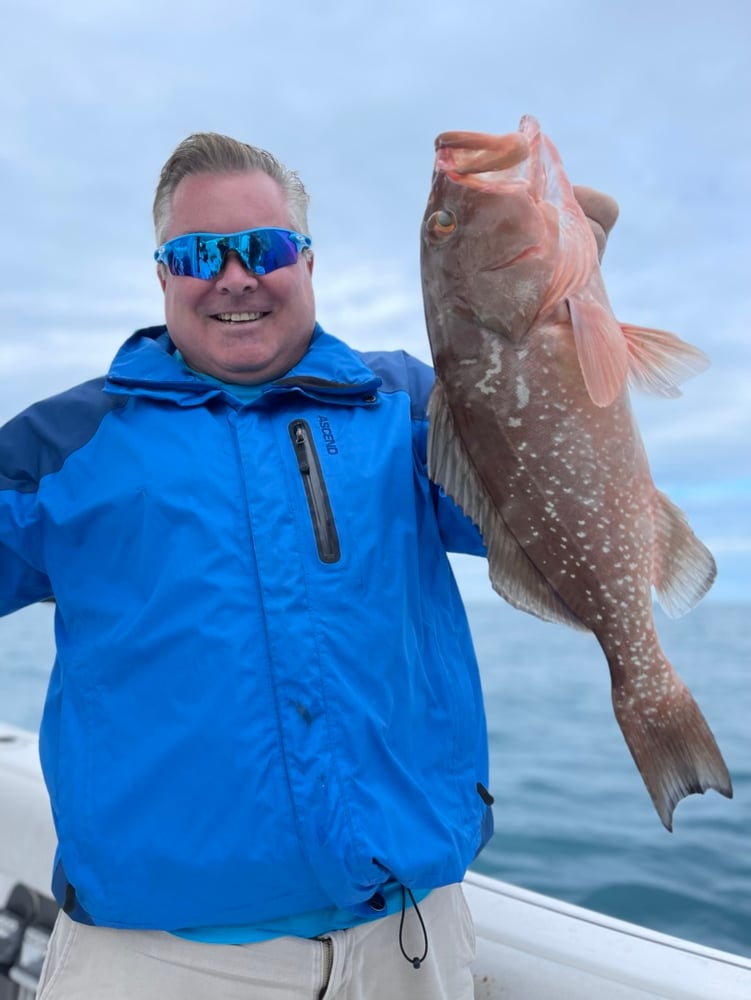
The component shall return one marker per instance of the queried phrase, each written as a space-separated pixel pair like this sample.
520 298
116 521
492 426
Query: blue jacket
265 698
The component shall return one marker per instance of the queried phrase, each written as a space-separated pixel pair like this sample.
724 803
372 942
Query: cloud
352 95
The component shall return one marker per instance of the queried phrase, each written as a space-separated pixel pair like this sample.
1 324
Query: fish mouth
464 155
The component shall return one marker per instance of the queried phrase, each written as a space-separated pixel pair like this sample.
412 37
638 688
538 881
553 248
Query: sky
648 101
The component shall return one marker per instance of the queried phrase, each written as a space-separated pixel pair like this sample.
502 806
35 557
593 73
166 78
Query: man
264 738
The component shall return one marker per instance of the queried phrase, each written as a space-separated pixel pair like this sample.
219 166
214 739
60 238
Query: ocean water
572 816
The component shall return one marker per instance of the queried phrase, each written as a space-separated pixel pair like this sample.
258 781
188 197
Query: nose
234 276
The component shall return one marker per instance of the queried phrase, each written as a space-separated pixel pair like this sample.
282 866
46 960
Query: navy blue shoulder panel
401 372
37 441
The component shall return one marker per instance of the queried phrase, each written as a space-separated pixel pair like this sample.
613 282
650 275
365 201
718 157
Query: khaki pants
101 963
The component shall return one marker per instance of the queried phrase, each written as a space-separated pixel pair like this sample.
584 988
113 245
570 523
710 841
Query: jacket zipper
324 528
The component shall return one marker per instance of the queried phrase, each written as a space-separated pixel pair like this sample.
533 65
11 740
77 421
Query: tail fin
669 739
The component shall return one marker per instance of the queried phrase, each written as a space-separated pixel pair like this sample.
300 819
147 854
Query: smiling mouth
240 317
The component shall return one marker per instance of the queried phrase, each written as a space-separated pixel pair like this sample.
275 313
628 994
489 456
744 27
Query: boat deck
529 946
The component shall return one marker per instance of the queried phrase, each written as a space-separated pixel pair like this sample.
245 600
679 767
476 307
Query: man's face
239 327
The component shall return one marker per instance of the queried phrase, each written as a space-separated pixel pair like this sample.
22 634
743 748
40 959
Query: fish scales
532 433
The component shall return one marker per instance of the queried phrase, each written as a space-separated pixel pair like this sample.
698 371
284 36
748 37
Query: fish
532 433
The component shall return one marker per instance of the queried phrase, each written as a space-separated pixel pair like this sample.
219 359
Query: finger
598 207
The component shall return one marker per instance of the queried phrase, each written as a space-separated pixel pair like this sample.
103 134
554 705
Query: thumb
601 211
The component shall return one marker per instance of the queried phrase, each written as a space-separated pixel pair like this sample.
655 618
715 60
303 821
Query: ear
309 257
161 273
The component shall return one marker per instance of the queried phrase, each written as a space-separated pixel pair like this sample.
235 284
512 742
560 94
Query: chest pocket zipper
324 528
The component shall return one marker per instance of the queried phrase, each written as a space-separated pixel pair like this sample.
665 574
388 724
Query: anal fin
684 568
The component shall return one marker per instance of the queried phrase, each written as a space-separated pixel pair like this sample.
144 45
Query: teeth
239 317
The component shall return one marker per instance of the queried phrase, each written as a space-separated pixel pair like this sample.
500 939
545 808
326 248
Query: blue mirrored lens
202 255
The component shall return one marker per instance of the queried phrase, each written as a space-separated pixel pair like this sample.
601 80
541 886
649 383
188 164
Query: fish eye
441 224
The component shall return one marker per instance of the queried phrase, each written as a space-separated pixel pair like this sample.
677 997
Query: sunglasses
202 255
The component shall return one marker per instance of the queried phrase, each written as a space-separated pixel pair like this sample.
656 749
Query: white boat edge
529 946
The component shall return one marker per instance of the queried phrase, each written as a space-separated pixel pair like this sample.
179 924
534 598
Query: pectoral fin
600 347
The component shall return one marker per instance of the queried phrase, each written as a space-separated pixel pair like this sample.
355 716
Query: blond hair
211 153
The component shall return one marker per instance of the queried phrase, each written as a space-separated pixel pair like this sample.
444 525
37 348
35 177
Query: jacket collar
330 370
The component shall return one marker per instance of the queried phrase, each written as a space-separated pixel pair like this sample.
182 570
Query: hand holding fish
601 211
532 431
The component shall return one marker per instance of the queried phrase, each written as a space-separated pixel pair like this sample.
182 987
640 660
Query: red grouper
532 433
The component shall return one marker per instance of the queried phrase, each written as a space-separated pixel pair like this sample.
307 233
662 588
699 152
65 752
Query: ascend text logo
328 435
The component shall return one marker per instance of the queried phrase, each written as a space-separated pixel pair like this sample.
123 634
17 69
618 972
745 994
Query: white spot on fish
514 422
522 392
495 366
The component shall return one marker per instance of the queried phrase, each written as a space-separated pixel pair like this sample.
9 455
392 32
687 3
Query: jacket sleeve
22 578
23 459
400 371
458 532
33 446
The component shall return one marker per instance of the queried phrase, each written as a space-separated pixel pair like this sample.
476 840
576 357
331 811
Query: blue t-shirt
315 923
245 393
